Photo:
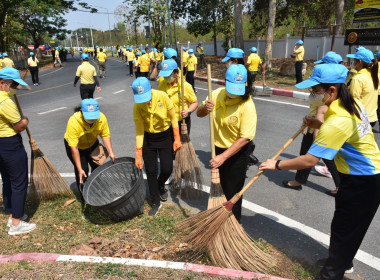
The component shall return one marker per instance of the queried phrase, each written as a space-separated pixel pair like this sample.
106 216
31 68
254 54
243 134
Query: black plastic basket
117 189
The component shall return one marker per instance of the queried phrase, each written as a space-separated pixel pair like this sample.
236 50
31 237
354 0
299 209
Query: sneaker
321 263
154 210
323 170
24 218
169 180
22 227
163 195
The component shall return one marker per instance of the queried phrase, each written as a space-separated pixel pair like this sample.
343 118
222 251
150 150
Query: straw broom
45 180
205 226
186 161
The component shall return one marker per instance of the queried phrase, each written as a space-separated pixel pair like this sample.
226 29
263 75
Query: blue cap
253 49
143 51
169 53
378 54
31 53
9 73
191 51
138 53
97 46
142 91
233 53
84 56
299 42
5 54
184 48
325 74
167 67
363 54
90 109
1 55
236 76
330 57
359 48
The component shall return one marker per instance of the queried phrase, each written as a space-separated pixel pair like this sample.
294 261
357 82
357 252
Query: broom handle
182 84
246 187
211 113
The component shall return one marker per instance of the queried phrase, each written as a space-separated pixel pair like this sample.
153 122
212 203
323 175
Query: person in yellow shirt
234 121
155 122
13 157
1 61
81 138
172 86
299 51
364 84
152 59
253 63
33 68
7 62
144 63
191 66
57 58
200 50
87 75
72 52
159 58
185 56
102 59
130 57
378 97
136 65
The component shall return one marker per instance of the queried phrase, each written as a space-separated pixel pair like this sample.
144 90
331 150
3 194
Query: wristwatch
189 113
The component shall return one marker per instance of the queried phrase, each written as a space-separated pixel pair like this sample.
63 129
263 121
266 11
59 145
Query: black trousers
137 72
232 176
144 74
131 68
34 73
190 78
251 78
202 63
356 204
14 174
158 146
303 174
87 91
299 71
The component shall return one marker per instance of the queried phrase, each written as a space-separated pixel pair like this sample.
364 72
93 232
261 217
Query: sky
79 19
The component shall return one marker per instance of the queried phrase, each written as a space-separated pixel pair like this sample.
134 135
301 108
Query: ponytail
374 69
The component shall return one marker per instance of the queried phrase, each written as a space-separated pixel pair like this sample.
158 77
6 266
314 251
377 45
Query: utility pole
170 29
92 38
136 31
150 37
76 33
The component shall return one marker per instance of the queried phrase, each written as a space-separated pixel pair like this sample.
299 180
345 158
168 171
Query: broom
186 161
206 225
223 248
45 180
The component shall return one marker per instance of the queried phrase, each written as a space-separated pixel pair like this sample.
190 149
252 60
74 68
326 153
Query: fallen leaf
156 249
25 237
38 244
183 245
70 201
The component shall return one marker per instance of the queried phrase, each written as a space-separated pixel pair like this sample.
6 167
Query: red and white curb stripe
211 270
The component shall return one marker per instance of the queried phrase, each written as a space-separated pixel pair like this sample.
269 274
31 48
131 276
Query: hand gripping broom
231 248
186 161
204 226
45 180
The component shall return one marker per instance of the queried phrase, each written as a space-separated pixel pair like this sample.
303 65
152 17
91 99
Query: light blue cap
143 51
184 48
378 54
5 54
363 54
167 67
191 51
170 53
31 53
90 109
325 74
359 48
233 53
1 55
142 91
299 42
253 49
330 57
236 76
138 53
84 56
9 73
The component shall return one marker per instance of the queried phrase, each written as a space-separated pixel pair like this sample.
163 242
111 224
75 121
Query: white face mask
228 64
316 99
232 96
170 79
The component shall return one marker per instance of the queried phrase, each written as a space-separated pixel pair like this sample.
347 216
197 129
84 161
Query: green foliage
104 271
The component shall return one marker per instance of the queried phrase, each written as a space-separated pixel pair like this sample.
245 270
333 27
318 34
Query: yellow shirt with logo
348 140
130 56
300 52
254 61
144 62
233 118
200 50
191 62
9 115
80 134
86 72
7 62
32 63
361 87
102 57
173 91
154 118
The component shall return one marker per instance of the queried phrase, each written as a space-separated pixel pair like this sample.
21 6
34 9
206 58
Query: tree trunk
238 13
214 34
339 15
269 39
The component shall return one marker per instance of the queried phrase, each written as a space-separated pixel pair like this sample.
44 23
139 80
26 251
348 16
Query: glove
138 159
177 139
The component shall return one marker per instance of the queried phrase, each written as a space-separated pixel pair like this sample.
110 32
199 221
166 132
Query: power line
105 13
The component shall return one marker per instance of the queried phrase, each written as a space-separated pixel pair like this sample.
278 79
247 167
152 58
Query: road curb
266 89
206 269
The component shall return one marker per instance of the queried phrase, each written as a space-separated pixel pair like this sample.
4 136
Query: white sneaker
24 218
350 270
22 227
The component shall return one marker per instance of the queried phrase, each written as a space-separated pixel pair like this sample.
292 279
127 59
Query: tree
238 13
269 38
339 15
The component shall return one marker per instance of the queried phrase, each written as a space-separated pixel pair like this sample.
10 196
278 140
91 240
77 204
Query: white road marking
42 113
98 98
281 102
119 91
52 72
202 88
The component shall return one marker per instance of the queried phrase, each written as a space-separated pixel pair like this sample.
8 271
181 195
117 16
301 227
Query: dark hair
77 109
374 71
346 98
238 60
248 92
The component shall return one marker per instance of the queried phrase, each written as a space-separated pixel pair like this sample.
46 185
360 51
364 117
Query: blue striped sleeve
322 152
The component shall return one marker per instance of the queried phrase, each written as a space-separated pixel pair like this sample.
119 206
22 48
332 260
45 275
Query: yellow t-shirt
80 134
200 50
348 140
1 63
154 118
185 56
173 91
254 61
32 63
158 56
300 52
8 115
101 56
57 53
233 118
130 56
86 72
191 62
144 62
7 62
361 87
85 50
151 55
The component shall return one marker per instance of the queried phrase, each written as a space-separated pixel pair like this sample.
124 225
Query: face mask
89 121
232 96
316 99
228 64
170 79
191 54
12 91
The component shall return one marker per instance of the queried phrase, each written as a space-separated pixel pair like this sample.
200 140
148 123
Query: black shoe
252 159
163 195
321 263
286 185
154 210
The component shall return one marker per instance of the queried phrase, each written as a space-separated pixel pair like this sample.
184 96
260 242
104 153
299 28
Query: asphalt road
297 222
